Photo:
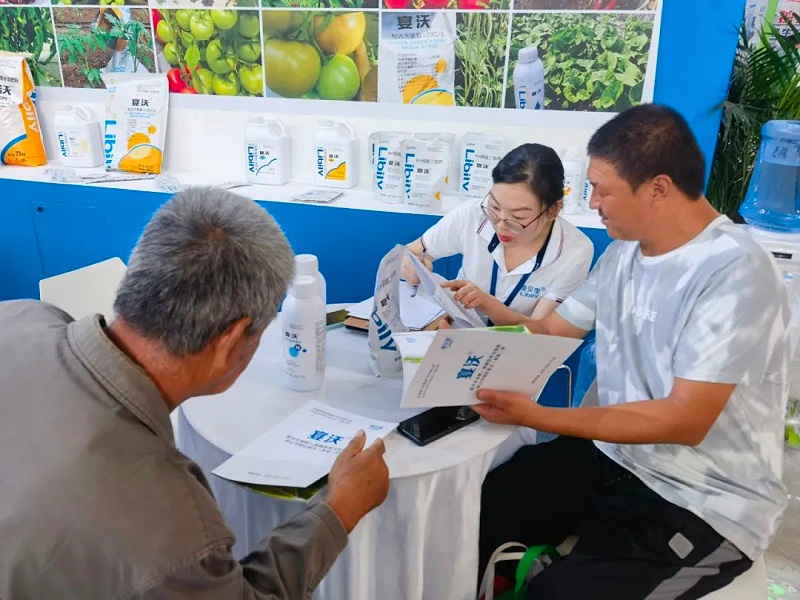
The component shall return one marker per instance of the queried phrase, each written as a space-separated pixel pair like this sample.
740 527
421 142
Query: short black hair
537 166
649 140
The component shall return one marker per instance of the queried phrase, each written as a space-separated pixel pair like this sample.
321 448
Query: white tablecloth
422 543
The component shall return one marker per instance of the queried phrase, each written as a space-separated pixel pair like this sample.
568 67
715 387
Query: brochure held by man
447 367
293 458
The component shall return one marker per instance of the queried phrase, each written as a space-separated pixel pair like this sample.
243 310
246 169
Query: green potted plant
765 85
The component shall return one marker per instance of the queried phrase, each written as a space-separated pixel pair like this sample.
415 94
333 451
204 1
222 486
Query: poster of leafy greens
592 61
30 30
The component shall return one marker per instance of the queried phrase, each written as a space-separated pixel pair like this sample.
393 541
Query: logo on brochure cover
447 343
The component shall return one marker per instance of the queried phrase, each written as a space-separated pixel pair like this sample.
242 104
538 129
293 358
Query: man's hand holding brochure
448 367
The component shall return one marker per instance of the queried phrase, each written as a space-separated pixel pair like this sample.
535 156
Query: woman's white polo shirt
466 231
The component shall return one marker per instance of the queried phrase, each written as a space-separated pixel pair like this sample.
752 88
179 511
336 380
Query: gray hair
206 259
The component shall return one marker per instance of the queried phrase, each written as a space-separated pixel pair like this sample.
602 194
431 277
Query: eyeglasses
514 227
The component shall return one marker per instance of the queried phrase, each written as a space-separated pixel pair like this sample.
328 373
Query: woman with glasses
520 259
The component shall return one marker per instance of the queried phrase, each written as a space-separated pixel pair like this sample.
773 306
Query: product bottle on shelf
80 138
586 195
268 151
573 180
336 155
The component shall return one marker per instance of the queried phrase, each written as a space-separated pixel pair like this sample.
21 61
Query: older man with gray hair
95 501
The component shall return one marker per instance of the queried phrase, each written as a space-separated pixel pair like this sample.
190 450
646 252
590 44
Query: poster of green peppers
30 30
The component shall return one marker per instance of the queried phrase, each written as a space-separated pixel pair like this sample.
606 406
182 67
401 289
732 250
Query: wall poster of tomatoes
317 54
210 51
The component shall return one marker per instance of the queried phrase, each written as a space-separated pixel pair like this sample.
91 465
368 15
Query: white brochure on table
457 363
430 284
302 448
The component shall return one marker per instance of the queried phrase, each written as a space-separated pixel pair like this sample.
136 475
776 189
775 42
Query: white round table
422 542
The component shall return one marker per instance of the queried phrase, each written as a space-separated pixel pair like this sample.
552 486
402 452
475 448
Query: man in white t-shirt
680 489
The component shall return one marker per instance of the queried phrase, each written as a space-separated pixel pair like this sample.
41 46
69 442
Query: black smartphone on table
437 422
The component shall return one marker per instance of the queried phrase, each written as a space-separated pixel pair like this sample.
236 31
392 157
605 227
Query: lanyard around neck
523 279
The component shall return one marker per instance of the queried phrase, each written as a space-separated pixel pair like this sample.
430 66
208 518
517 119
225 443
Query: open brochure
447 367
417 311
430 285
292 459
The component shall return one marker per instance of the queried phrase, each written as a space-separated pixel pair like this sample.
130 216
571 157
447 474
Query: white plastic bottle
529 79
573 180
303 317
268 151
335 155
586 195
79 136
308 264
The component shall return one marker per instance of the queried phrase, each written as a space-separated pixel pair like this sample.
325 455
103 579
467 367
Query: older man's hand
358 481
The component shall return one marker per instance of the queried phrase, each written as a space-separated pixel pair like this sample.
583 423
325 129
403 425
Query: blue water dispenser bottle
773 198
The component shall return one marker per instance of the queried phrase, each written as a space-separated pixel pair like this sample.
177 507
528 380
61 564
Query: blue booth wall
47 229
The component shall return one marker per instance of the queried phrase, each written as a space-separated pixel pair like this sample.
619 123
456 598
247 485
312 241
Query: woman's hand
469 294
409 273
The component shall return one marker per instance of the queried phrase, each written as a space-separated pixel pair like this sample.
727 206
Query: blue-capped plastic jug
773 197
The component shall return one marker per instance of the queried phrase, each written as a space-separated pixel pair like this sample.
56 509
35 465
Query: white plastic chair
85 291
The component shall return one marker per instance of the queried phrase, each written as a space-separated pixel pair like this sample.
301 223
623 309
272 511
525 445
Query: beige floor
783 556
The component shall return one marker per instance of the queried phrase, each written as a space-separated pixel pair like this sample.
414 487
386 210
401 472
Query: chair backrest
85 291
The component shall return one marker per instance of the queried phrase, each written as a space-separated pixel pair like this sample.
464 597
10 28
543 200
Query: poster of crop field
95 40
588 61
510 55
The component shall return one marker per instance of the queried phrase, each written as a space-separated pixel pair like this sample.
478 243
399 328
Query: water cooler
772 212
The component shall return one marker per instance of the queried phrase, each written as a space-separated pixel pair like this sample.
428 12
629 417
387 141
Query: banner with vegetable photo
25 2
589 61
649 5
481 48
31 30
320 3
101 2
210 51
451 4
92 41
202 3
321 55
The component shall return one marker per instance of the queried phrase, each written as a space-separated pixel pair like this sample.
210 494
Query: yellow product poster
418 58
